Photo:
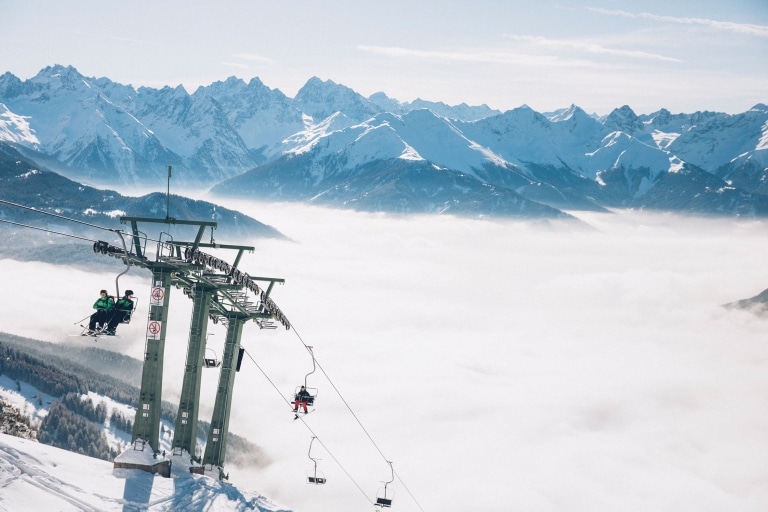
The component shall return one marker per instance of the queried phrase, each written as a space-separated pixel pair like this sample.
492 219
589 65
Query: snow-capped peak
15 128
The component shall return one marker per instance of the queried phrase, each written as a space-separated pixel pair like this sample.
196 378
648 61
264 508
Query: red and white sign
157 296
153 329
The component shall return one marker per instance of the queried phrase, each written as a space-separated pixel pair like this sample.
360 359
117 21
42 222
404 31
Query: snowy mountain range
331 145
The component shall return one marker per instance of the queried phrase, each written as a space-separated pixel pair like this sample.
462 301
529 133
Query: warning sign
153 329
157 296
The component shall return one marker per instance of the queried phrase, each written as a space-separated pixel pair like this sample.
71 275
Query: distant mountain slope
392 185
421 162
24 182
757 304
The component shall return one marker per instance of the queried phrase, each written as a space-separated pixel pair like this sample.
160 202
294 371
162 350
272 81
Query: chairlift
105 325
314 477
384 497
299 401
211 362
106 248
309 400
128 314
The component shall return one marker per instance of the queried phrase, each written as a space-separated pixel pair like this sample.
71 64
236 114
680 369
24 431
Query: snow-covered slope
15 128
35 477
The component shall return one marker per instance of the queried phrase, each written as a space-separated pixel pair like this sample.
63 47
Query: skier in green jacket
103 306
122 312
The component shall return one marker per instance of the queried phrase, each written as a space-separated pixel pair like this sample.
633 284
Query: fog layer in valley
500 365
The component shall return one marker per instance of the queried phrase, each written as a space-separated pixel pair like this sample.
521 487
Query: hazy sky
685 56
500 365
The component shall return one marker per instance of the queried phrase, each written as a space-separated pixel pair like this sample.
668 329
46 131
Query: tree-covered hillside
73 421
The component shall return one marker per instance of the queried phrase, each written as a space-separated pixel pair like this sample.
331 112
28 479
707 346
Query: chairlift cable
356 418
54 215
46 230
310 430
36 210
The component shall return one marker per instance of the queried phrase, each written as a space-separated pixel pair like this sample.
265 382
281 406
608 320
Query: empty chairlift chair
314 476
384 497
210 360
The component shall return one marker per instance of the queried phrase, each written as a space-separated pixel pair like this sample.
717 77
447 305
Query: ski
93 334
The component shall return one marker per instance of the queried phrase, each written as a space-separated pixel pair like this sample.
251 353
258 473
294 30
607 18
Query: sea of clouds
500 365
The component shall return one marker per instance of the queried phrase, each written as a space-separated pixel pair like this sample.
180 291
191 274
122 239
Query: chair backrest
127 314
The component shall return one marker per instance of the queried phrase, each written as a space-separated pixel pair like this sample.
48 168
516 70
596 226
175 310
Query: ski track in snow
29 482
14 467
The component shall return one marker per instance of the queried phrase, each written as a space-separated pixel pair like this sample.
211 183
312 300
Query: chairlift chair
384 496
211 362
128 314
314 476
310 400
312 394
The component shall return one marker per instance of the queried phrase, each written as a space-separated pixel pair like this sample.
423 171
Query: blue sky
684 56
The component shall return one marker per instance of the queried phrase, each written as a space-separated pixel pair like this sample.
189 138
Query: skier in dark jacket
301 399
122 312
103 306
